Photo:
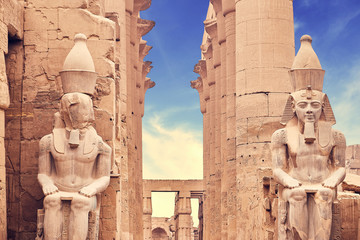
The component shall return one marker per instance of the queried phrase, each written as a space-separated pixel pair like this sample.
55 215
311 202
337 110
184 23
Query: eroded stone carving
74 162
308 155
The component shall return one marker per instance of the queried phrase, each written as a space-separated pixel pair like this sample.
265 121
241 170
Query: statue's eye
302 104
316 105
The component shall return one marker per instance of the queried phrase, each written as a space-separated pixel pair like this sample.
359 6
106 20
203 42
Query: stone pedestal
93 231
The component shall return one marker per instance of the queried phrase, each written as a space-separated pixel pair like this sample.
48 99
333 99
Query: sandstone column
264 55
147 212
11 26
4 104
252 47
183 216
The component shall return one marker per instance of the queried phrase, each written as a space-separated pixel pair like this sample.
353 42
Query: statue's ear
288 111
327 110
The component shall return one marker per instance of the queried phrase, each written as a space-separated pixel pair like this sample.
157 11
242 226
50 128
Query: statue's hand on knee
50 189
292 183
330 183
88 191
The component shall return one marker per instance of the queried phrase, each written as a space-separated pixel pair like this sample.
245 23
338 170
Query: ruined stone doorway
187 200
159 234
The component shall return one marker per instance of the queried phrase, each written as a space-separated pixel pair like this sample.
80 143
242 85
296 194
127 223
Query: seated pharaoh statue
74 161
308 155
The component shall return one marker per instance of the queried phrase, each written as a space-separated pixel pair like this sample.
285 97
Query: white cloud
347 109
171 153
337 26
297 25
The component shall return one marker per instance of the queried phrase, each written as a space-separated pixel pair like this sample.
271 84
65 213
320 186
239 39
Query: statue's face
308 110
77 110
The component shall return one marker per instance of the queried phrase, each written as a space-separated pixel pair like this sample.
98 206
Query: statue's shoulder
279 136
46 139
45 142
102 145
338 137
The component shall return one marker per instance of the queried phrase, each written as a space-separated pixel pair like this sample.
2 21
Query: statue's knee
297 195
81 203
325 194
52 201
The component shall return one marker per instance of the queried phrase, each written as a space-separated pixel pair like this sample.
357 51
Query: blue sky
172 125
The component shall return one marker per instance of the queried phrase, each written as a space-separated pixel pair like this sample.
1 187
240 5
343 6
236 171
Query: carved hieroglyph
308 155
74 162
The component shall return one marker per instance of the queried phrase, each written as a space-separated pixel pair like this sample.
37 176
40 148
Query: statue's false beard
309 131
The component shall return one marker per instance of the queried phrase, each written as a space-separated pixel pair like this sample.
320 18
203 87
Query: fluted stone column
4 104
264 55
183 216
147 214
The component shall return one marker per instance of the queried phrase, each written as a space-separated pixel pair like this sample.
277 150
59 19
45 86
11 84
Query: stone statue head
308 105
76 110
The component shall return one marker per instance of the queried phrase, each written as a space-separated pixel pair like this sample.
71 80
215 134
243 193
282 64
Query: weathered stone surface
91 25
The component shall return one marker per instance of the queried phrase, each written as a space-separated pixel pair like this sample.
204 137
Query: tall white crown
78 74
306 69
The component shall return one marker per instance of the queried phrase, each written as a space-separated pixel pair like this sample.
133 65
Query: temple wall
11 30
248 48
353 159
114 33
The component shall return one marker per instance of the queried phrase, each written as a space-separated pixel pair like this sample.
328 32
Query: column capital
200 68
143 49
144 26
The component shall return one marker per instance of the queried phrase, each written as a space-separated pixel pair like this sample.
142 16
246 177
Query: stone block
28 208
104 124
260 129
253 155
3 38
12 155
277 103
37 38
91 25
2 123
283 55
104 67
57 4
37 123
267 80
275 31
279 9
30 184
252 105
40 19
349 211
36 63
13 17
4 95
29 157
240 82
241 131
252 32
247 10
101 49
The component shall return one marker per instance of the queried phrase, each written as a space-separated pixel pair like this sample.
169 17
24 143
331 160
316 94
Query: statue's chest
298 149
75 154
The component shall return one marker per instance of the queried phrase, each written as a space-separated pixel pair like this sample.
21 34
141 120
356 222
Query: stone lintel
173 185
